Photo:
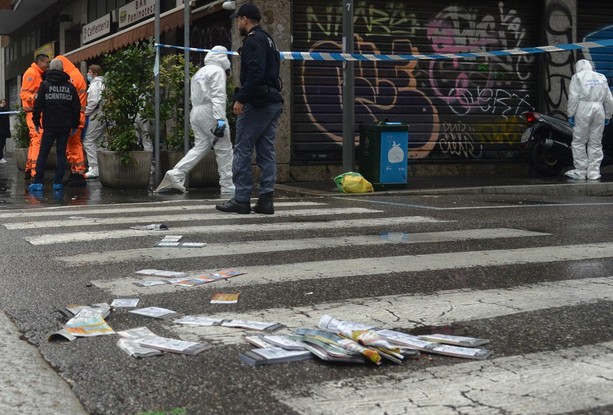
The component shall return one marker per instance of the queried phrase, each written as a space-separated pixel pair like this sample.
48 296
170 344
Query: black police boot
265 204
235 206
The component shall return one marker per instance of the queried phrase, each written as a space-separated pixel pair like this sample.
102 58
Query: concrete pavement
28 384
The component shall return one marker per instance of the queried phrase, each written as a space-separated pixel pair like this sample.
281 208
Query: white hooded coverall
208 97
591 103
95 129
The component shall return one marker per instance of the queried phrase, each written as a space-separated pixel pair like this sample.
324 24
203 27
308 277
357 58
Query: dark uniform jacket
58 102
5 126
260 64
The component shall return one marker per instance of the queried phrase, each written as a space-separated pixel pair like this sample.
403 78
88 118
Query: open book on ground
199 321
464 341
287 342
182 279
125 302
155 312
413 342
72 310
270 355
225 298
87 323
252 325
173 345
129 342
161 273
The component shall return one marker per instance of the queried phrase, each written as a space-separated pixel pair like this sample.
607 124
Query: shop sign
47 49
97 28
135 11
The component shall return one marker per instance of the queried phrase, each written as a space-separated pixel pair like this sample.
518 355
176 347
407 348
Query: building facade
459 111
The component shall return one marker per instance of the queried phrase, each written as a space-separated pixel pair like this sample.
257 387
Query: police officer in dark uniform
258 105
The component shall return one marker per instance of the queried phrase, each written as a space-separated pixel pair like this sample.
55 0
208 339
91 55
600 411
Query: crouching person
58 103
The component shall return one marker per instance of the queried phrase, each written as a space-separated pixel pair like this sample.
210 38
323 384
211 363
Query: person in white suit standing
94 135
590 107
209 124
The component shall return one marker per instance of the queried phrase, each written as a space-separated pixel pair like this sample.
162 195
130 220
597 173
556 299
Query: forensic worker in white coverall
590 107
93 111
209 123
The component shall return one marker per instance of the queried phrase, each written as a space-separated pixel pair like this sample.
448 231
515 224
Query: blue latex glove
37 129
571 121
73 131
607 121
219 130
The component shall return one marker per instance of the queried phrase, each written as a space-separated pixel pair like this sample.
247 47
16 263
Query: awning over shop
169 20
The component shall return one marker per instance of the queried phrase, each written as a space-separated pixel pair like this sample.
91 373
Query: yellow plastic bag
352 182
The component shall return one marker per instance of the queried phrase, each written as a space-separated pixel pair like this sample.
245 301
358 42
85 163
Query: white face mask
90 77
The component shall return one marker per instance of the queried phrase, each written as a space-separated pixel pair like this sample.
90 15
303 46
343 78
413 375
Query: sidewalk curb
557 189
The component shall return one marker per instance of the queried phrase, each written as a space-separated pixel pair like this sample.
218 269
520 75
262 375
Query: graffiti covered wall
457 109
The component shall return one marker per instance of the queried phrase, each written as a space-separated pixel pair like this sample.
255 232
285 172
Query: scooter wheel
545 161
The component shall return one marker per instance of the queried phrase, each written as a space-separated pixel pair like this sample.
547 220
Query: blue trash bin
384 151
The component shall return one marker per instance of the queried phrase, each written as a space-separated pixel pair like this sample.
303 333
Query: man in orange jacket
32 78
74 149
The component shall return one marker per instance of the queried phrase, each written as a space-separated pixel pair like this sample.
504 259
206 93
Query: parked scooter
548 143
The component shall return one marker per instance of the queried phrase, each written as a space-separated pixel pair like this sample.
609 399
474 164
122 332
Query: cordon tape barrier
345 57
342 57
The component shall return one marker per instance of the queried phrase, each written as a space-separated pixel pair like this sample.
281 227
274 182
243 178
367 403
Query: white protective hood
219 59
584 65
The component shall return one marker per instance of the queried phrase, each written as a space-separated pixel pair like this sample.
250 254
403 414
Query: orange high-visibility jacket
32 78
77 79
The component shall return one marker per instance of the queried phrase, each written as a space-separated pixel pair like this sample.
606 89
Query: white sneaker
593 175
91 175
575 174
2 161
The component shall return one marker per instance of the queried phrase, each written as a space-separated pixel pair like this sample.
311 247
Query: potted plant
21 138
128 92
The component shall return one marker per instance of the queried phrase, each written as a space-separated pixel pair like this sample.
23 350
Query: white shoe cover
575 174
593 175
169 182
227 190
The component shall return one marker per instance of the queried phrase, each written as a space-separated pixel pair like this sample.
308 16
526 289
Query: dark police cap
248 10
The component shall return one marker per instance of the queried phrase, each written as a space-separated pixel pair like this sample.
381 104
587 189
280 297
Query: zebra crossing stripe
408 310
49 239
366 267
251 247
147 207
551 382
166 218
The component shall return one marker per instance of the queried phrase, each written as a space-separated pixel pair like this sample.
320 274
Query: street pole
348 90
156 100
186 26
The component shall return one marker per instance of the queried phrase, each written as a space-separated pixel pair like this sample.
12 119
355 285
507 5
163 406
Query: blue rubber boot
35 187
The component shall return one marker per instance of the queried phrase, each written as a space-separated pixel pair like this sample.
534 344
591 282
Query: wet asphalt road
35 283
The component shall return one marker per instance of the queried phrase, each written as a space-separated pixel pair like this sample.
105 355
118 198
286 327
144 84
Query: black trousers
61 139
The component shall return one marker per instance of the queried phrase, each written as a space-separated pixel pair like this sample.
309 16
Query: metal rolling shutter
594 22
457 110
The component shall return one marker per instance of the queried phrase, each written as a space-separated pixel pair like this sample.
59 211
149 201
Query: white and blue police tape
341 57
9 113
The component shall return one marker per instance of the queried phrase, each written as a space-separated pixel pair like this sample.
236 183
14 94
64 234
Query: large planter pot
203 174
21 156
114 173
